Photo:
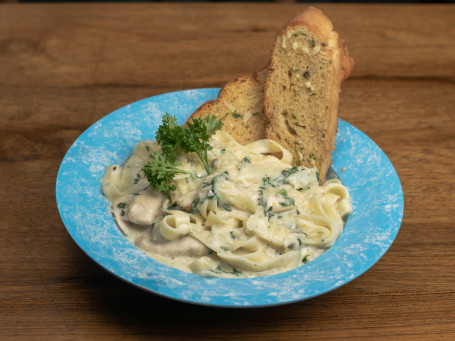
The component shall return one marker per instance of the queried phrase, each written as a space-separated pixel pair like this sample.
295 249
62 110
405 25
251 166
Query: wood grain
63 67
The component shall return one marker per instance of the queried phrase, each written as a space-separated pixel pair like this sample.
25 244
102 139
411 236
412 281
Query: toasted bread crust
240 105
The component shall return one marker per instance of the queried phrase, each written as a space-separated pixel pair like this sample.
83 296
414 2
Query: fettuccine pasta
254 215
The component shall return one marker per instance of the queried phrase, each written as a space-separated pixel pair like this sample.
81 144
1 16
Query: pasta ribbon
253 215
176 224
266 146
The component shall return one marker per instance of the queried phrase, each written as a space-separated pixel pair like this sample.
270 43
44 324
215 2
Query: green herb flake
122 206
236 114
234 271
173 206
282 193
243 162
262 201
266 182
287 202
194 204
305 259
289 171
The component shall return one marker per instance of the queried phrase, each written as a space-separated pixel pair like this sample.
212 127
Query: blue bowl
373 183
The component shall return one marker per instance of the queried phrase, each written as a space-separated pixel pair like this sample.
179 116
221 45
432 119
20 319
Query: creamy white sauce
254 215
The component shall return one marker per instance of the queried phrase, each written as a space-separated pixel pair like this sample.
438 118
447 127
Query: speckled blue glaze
372 181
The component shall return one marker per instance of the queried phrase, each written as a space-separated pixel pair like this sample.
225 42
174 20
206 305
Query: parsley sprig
196 137
162 165
160 171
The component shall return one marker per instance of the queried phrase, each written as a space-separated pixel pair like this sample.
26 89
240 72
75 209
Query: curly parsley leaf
160 171
169 135
196 137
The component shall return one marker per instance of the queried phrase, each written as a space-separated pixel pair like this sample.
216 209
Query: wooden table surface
64 66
